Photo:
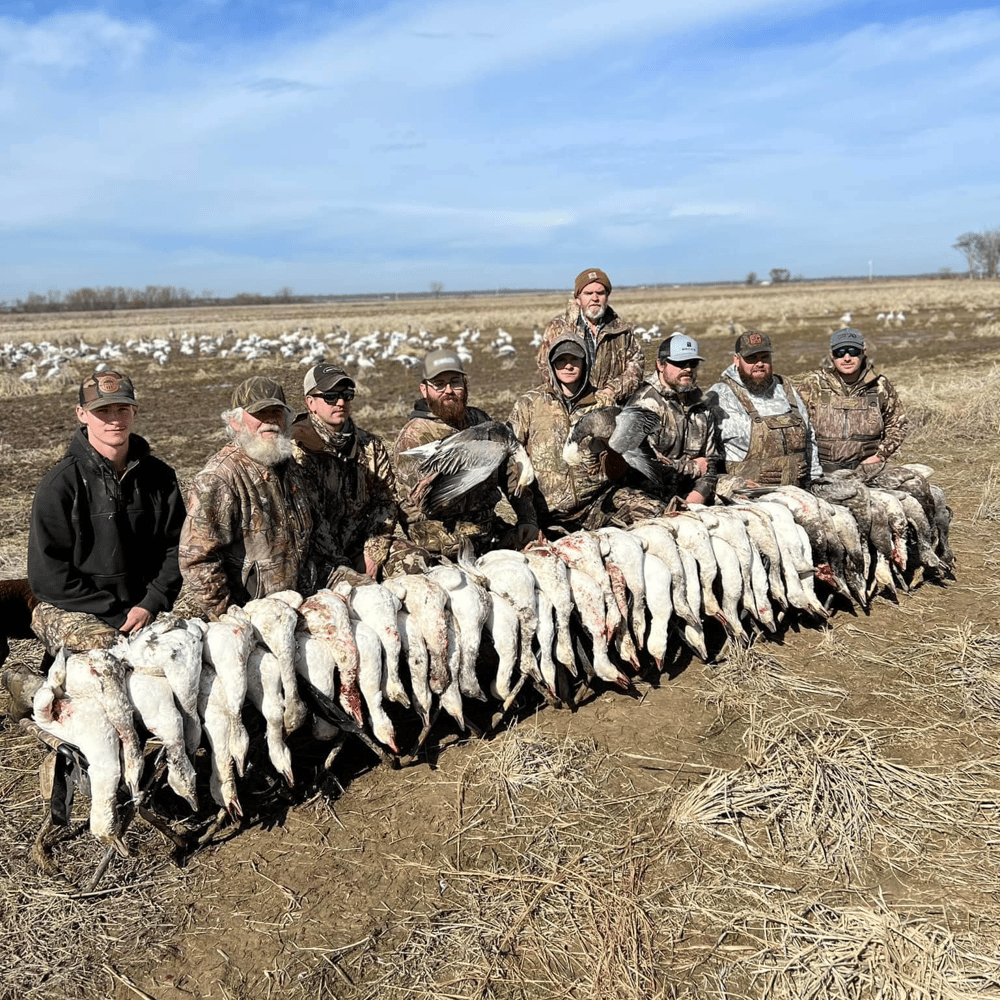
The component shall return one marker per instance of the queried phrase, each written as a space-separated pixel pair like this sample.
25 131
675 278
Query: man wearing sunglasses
441 411
352 488
687 442
855 412
767 438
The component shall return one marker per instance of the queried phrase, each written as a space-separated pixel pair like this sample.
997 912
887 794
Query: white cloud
73 40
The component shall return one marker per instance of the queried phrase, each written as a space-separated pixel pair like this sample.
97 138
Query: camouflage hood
558 346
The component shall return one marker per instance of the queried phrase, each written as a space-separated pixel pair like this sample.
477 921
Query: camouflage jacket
477 514
541 420
617 361
352 493
247 531
688 430
853 422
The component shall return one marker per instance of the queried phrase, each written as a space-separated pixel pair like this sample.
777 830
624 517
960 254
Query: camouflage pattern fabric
352 493
72 630
618 506
688 430
853 422
618 362
477 519
247 531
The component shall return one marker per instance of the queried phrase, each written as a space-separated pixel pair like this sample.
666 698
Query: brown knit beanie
584 278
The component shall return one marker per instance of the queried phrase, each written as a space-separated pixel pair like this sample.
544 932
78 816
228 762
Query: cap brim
113 400
262 404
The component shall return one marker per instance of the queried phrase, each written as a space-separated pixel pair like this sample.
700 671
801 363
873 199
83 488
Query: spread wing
632 426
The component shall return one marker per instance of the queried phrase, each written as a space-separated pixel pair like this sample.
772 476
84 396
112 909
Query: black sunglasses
855 352
334 394
690 363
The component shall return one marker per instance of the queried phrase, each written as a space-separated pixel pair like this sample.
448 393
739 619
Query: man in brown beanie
614 356
248 525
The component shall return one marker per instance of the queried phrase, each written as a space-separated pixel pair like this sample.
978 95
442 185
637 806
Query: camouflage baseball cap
752 342
322 378
847 337
258 393
445 360
106 389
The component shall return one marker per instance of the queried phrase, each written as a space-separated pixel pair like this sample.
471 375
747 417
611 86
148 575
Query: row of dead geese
600 604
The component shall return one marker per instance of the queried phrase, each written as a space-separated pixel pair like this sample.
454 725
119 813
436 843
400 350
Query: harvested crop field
811 817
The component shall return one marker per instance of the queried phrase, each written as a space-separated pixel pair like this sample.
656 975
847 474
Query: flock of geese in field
379 662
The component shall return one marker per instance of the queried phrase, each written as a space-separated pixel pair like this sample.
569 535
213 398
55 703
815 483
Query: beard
595 313
265 451
451 411
756 386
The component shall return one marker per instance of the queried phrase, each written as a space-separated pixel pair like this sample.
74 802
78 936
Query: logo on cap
592 275
754 339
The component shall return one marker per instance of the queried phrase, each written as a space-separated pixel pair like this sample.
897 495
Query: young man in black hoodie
105 524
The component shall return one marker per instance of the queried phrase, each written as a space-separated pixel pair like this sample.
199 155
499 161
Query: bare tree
751 277
780 274
981 251
437 287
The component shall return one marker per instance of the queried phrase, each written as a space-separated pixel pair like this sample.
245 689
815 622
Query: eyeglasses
439 385
333 395
855 352
689 363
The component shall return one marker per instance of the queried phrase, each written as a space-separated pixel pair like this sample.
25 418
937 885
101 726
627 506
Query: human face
593 300
269 423
849 365
755 369
108 427
332 408
681 376
446 395
568 369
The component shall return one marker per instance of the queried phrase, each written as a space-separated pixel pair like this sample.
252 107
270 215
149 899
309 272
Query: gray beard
264 451
600 313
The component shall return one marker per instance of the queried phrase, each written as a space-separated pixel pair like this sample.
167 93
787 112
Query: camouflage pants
72 630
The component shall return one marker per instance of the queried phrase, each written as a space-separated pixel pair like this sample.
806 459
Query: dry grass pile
846 952
963 405
556 887
969 658
57 941
989 504
749 675
817 792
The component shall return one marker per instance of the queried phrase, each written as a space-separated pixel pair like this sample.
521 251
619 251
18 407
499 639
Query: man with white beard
767 439
248 521
614 357
687 439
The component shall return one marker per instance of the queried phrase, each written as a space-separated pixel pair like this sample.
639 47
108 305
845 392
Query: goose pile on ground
561 617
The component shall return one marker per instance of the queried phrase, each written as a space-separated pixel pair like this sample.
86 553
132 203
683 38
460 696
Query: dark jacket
101 545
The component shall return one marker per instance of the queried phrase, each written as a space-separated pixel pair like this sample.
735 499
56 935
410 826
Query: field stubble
811 818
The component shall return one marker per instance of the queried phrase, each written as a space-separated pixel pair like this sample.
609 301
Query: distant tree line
981 251
115 297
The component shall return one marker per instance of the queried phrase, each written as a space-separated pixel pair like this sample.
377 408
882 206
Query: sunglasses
690 363
855 352
334 394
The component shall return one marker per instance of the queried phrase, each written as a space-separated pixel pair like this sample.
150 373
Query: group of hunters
300 501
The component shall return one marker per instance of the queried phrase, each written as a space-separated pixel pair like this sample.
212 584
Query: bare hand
702 464
136 619
874 460
371 567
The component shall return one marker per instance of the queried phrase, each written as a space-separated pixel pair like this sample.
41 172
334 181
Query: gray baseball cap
323 377
679 347
445 360
847 337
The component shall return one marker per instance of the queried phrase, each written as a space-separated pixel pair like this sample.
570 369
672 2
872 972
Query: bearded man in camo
442 411
855 412
248 525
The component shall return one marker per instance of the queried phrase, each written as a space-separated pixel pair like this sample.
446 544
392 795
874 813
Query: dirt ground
355 887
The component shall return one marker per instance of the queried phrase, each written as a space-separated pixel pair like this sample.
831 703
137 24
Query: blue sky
248 146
